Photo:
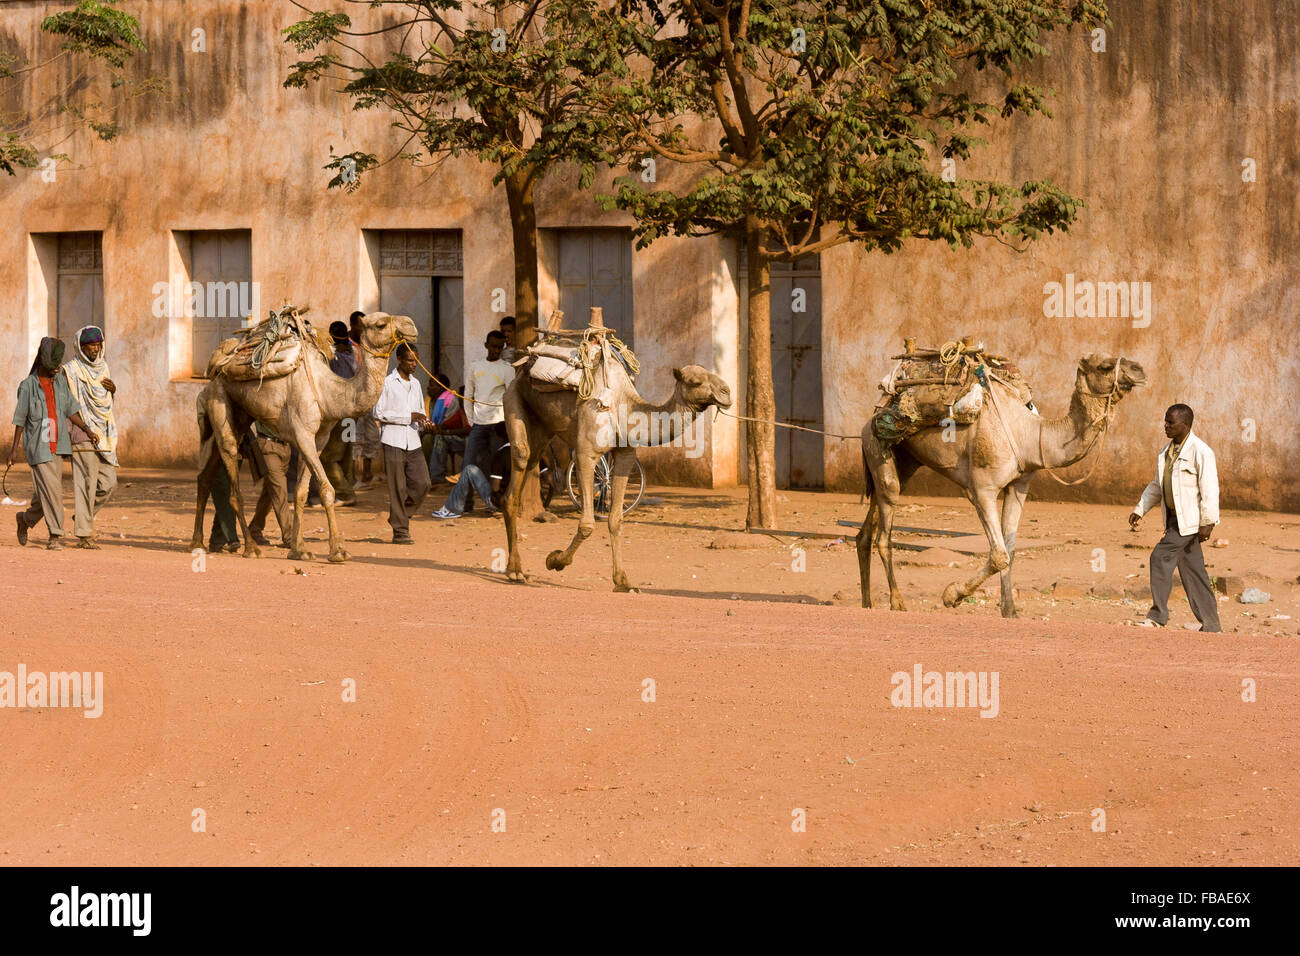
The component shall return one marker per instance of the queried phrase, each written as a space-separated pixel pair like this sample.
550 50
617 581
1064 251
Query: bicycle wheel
602 485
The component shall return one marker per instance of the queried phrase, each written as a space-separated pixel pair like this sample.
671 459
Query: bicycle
603 482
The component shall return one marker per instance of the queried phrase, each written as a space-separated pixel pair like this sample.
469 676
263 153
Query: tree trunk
523 232
761 403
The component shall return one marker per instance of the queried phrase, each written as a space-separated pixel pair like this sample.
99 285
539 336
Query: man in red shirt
45 407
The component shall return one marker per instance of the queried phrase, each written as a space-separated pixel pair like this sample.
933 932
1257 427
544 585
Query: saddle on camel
581 360
270 349
929 387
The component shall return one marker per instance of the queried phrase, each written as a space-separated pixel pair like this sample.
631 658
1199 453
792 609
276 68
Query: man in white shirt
400 414
1187 488
484 391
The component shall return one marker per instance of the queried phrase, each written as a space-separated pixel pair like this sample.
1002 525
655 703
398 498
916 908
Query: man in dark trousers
401 416
1186 487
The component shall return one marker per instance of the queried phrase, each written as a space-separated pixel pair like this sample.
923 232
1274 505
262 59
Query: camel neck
1066 440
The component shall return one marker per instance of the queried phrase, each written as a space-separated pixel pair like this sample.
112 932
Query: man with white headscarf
94 464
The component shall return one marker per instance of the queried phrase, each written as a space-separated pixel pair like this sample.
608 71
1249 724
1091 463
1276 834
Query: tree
499 80
95 31
820 124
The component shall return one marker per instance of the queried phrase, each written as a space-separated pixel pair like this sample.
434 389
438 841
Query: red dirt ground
223 692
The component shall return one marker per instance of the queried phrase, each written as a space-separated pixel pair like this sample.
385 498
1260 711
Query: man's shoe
259 538
347 502
56 544
1147 622
22 528
444 514
403 539
88 544
452 479
1192 627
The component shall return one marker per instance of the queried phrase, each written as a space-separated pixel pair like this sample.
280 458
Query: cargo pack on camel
270 349
587 361
930 387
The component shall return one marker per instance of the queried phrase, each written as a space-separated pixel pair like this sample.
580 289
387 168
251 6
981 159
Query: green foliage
500 80
97 30
839 140
94 31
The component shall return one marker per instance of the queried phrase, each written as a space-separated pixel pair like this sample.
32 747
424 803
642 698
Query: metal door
595 269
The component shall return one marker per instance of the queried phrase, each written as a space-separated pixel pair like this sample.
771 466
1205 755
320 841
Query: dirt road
498 724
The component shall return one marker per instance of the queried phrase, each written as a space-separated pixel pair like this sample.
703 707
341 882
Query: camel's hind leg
624 458
865 533
299 552
221 418
586 465
526 447
986 501
1013 504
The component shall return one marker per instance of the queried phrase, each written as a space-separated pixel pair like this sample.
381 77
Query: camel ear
677 374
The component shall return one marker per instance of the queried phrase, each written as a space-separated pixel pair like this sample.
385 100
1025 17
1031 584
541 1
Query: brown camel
992 461
534 416
303 407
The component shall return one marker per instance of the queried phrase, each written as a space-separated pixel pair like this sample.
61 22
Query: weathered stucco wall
1152 133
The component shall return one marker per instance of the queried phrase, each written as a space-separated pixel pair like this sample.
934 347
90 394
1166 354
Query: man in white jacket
1187 488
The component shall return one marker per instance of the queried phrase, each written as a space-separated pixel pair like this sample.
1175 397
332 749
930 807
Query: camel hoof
252 551
296 555
951 596
897 605
1009 614
622 587
516 577
555 561
197 546
338 557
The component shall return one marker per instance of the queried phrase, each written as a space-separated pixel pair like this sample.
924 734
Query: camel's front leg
525 453
586 459
312 461
204 491
1012 508
299 550
986 506
623 460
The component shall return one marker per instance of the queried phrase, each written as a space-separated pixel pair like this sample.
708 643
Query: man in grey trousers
1186 487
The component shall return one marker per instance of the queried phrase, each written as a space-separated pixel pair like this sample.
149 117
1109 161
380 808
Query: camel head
1101 375
379 330
699 388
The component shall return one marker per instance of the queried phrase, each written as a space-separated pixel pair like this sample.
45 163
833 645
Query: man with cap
336 456
367 441
94 466
42 415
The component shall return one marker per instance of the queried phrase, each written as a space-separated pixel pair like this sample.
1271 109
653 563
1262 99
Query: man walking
94 465
1187 488
271 458
486 387
42 414
400 414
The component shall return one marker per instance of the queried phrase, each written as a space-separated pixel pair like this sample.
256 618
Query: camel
303 407
533 416
993 462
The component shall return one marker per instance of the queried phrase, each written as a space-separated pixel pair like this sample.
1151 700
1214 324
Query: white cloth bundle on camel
270 349
584 360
